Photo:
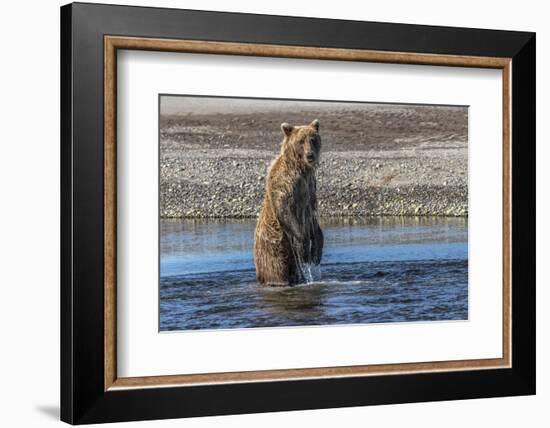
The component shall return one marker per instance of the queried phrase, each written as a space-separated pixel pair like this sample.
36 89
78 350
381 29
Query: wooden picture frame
91 390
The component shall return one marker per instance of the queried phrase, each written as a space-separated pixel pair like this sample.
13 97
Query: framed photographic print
265 213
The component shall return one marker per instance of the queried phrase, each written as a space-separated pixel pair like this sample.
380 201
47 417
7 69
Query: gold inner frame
113 43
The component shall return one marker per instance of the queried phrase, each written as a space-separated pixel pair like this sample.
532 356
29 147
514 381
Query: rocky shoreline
215 166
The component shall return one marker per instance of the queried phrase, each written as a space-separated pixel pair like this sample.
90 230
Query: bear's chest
301 188
302 197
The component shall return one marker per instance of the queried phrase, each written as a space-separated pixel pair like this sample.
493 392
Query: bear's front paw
316 257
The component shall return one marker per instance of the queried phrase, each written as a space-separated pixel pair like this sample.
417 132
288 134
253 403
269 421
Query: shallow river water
380 269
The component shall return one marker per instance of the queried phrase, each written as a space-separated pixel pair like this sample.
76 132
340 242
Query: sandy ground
376 160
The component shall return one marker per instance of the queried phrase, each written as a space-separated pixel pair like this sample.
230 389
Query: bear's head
302 144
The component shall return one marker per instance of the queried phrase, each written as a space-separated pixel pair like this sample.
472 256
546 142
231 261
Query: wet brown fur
288 232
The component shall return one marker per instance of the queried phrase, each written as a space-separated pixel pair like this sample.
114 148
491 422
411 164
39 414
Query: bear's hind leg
271 264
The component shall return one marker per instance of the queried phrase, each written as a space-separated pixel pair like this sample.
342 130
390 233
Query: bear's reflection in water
286 300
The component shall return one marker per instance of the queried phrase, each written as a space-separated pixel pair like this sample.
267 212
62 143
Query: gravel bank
376 160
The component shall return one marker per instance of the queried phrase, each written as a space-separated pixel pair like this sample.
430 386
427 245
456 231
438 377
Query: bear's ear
315 124
286 128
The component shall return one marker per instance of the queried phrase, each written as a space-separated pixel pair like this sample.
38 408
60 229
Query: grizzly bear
288 234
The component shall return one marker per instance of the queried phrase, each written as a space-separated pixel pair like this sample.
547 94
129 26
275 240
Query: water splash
308 276
315 272
310 272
